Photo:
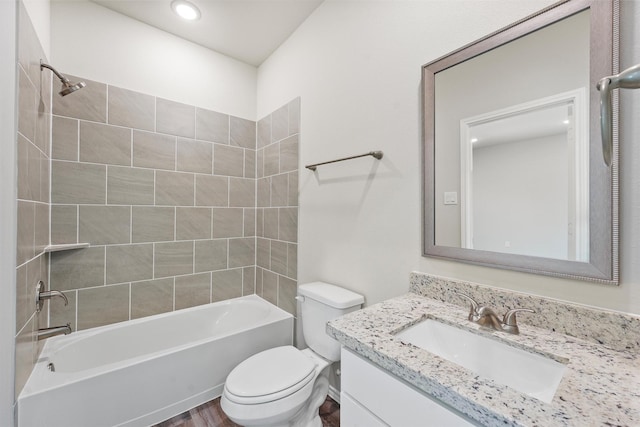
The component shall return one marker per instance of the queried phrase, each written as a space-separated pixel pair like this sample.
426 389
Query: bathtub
143 371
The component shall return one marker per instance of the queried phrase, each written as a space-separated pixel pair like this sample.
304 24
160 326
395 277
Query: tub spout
45 333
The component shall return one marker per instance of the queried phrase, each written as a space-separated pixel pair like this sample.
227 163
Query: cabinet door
352 414
390 399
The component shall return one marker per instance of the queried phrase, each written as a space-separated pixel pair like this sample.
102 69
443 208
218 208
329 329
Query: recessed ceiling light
185 10
566 122
474 140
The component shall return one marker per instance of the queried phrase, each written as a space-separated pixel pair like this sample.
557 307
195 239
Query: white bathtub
143 371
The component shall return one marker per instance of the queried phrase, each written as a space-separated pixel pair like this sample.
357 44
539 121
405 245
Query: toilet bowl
255 396
285 386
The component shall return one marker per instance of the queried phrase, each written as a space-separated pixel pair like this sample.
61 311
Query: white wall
356 66
96 43
8 128
521 196
40 13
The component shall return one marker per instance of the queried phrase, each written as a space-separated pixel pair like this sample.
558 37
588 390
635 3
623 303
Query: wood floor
210 415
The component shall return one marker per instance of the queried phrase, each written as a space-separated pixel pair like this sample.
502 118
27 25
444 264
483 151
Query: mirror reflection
514 179
526 166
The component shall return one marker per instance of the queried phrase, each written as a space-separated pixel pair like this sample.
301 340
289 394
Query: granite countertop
601 385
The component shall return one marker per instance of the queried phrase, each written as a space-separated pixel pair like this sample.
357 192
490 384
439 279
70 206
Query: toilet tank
319 303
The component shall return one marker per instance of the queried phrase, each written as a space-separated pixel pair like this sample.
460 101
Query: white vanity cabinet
372 397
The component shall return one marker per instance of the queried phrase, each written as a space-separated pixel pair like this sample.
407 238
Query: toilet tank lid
331 295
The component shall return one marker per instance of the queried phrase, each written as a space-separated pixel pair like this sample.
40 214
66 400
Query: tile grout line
106 106
153 261
77 305
105 266
77 141
210 286
78 223
155 114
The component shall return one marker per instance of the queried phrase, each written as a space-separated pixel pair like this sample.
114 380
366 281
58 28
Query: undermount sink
530 373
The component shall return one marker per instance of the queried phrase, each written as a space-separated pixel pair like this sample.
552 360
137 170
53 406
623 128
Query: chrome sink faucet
487 317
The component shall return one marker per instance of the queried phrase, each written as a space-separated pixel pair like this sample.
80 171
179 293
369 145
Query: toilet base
309 415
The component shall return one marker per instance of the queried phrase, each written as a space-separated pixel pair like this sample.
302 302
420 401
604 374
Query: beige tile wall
277 206
178 214
165 195
33 145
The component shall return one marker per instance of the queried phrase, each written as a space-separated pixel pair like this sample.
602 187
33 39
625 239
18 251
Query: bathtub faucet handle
42 295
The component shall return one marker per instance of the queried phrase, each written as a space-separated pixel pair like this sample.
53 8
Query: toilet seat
287 371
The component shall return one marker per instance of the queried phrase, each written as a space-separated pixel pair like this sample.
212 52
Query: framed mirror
514 175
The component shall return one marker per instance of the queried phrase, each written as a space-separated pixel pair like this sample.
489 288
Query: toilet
284 386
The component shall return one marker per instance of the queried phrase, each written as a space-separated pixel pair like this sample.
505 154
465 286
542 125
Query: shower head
67 86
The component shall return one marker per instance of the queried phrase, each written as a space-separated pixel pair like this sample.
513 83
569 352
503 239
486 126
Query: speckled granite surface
613 329
601 385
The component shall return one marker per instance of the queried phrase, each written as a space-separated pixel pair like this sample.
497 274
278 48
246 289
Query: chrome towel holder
377 154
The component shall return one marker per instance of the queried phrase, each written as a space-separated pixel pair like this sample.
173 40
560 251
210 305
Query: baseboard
175 409
334 393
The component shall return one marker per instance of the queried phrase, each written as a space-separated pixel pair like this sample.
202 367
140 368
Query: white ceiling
538 123
247 30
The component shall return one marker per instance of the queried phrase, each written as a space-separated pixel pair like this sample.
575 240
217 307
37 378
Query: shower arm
628 79
62 78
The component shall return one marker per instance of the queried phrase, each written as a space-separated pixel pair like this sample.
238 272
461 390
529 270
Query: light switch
450 198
